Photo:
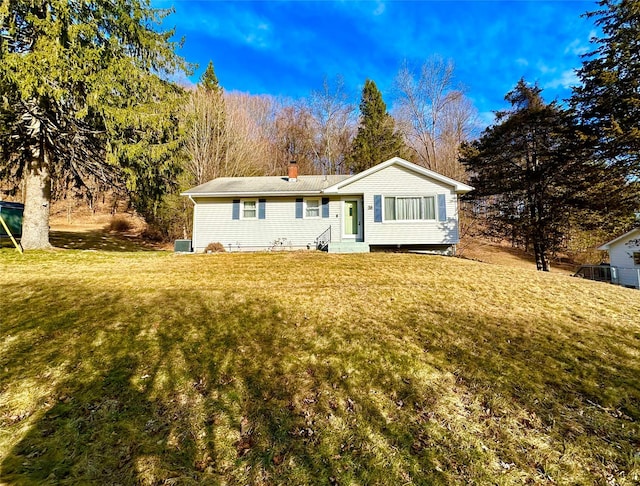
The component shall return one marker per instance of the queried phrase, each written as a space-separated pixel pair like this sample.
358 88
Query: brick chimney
293 171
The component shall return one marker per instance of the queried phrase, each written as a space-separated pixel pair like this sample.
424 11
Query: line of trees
87 106
542 171
104 117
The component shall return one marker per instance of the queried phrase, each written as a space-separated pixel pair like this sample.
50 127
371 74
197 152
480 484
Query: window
312 208
249 209
636 257
409 208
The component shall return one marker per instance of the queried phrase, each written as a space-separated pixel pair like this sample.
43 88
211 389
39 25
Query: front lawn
308 368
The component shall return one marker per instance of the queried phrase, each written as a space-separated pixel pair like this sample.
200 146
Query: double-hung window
409 208
636 257
249 209
312 208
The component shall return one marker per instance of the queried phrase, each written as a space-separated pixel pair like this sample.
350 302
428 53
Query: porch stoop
348 247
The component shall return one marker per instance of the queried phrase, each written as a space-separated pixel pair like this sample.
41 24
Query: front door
352 223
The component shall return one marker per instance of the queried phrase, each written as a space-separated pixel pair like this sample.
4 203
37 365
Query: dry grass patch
306 368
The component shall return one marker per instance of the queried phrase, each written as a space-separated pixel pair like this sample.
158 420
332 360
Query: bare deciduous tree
293 138
206 142
250 122
333 117
225 135
434 115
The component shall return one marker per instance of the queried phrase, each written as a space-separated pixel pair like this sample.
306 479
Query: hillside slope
308 368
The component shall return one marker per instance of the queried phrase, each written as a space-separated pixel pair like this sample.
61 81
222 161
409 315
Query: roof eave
251 194
459 187
608 244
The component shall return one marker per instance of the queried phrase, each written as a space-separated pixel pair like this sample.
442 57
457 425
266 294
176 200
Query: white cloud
522 62
566 80
576 47
240 26
545 69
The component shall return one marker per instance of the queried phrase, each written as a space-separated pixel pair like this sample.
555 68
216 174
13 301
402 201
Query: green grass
306 368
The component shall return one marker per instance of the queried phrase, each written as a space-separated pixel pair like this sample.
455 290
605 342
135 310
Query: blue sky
286 48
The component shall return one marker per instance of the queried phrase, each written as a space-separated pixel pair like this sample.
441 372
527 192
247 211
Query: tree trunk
35 226
541 254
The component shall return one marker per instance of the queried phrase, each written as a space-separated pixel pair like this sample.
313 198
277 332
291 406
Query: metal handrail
322 241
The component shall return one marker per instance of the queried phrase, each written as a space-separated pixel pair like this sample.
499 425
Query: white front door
352 219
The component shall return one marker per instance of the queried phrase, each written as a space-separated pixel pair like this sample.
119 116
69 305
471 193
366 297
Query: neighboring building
624 257
395 204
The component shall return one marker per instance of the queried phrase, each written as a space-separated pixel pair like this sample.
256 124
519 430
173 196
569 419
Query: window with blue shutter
377 208
325 207
261 208
299 208
442 207
235 211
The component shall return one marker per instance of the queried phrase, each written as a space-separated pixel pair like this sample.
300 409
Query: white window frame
242 203
433 197
305 214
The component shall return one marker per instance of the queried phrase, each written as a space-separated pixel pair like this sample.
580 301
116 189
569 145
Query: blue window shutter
442 207
299 208
235 214
261 208
325 207
377 208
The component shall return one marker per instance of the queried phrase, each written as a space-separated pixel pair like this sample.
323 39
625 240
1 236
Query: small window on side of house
312 208
249 209
636 258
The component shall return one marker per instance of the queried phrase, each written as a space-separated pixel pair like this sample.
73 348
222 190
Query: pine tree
376 140
530 169
608 99
209 80
85 97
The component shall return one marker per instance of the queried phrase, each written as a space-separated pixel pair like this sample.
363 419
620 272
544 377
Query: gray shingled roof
265 185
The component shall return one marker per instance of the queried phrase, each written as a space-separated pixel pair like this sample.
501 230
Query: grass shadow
252 370
102 240
183 389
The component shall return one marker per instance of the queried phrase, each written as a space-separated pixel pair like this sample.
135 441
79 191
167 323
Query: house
624 256
395 204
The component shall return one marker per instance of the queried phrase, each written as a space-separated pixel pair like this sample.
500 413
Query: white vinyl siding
624 254
213 223
400 182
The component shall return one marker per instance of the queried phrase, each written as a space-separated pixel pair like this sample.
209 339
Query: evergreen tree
209 80
376 140
530 169
609 98
85 97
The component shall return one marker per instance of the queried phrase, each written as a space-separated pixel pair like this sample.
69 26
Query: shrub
151 233
120 223
214 248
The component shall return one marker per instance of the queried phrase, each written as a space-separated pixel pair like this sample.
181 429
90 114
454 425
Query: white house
624 256
395 204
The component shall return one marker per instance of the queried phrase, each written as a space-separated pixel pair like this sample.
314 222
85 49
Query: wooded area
88 107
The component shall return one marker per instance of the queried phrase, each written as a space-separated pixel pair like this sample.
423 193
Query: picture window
409 208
